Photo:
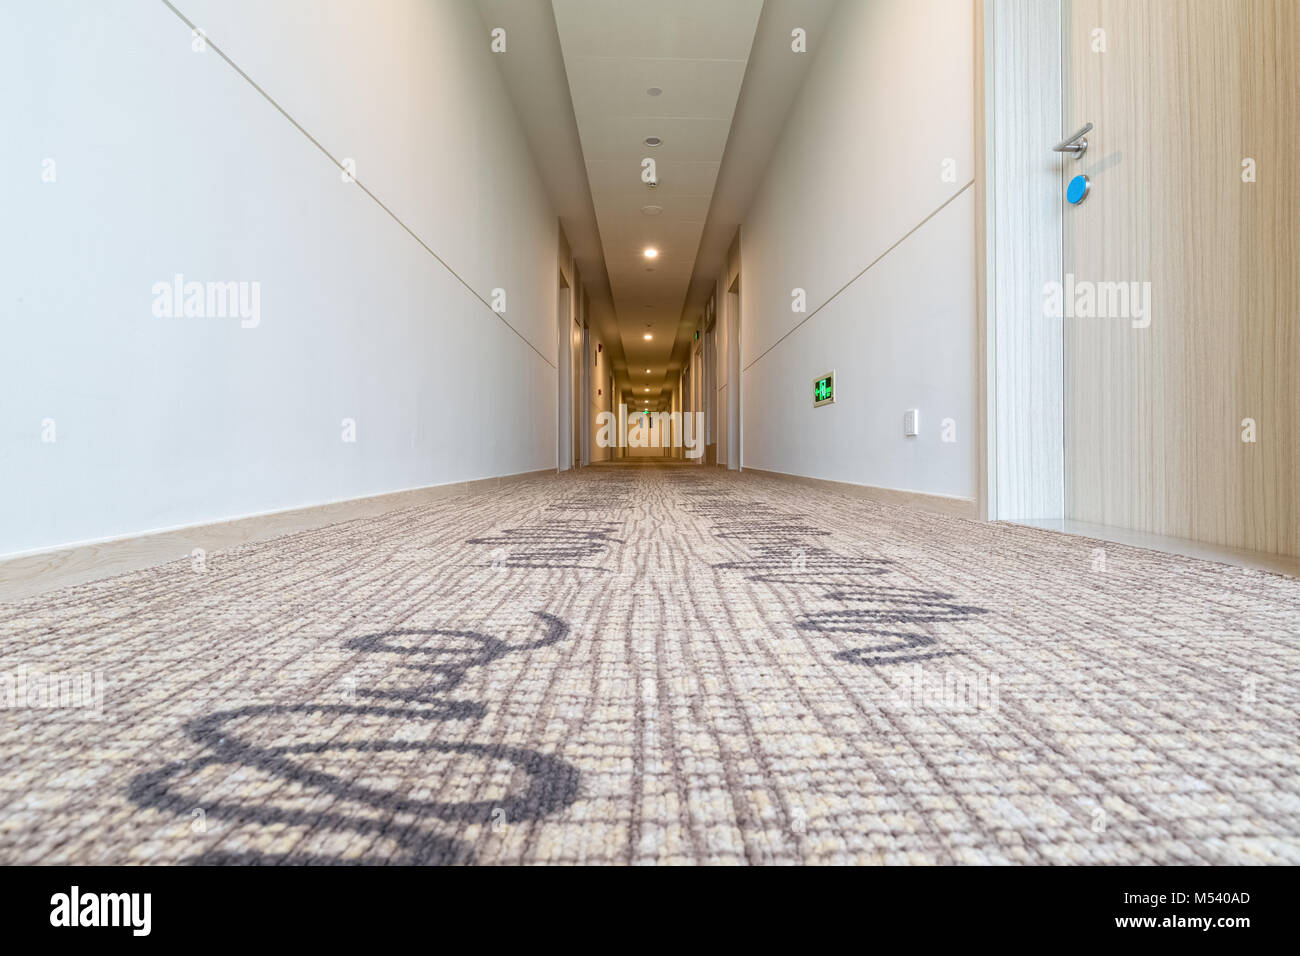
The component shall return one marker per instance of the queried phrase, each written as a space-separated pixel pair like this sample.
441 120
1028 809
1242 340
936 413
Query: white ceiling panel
617 87
623 177
684 137
670 29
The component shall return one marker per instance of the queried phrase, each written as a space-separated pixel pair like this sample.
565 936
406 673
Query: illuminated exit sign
824 389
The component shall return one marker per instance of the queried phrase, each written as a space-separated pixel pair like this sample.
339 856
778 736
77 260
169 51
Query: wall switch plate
911 422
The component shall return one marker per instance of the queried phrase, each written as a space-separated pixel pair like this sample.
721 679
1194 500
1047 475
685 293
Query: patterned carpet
657 664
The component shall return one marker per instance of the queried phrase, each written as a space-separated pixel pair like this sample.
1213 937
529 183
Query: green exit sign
824 389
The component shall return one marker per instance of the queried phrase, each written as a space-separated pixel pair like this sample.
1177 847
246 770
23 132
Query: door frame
735 460
1019 454
564 367
709 381
582 454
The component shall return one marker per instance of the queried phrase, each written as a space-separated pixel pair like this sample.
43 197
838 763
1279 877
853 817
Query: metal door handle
1076 144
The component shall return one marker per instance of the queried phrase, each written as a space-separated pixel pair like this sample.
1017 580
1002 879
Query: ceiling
695 53
579 84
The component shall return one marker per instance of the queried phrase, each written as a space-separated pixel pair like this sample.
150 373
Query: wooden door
1193 205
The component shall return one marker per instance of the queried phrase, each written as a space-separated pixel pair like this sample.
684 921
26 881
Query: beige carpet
644 664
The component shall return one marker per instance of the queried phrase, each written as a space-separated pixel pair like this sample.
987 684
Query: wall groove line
865 269
356 182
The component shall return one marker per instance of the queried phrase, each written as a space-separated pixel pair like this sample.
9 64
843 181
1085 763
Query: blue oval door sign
1078 189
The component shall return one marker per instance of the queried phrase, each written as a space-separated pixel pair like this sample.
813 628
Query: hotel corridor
613 433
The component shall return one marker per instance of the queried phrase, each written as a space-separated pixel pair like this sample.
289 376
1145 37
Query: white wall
167 161
859 168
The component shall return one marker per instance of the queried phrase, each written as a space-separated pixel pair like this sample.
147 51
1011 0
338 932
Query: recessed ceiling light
651 252
653 91
648 336
652 210
653 141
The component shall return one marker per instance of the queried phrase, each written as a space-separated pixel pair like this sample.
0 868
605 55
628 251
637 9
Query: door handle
1077 143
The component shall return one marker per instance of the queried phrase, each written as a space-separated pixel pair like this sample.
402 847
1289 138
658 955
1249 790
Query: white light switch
911 422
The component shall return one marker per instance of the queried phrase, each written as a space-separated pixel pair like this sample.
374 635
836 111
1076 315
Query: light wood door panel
1184 91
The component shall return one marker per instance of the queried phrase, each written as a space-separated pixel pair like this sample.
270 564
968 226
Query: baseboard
949 505
1286 564
33 572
